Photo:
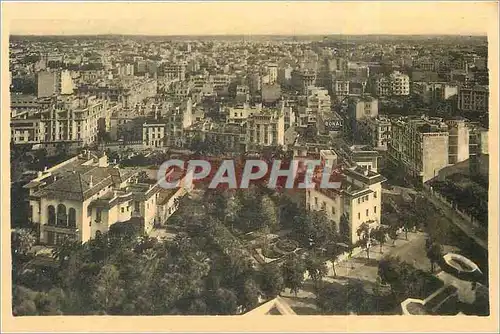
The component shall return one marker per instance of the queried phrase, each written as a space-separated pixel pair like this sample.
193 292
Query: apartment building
51 83
177 119
137 90
125 70
357 202
458 149
220 83
306 117
478 140
153 134
435 91
174 71
420 146
378 132
266 128
318 100
362 107
272 72
340 88
239 114
285 76
20 103
359 110
65 119
396 84
473 99
302 79
231 136
25 129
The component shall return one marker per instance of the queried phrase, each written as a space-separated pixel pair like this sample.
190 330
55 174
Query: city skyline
271 18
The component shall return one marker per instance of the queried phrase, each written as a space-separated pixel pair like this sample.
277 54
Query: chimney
365 172
91 183
45 169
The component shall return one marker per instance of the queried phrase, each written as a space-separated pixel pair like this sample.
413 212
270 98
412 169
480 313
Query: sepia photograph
250 159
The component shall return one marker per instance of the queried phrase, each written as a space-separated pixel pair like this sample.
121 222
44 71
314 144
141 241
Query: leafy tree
316 267
357 299
22 242
364 241
108 293
293 273
288 211
393 234
222 301
388 272
314 229
271 280
64 250
332 252
344 229
380 234
51 302
406 281
249 298
269 213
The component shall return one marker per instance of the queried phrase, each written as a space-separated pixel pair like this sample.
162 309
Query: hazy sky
468 18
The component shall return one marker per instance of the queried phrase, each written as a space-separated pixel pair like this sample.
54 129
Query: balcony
60 229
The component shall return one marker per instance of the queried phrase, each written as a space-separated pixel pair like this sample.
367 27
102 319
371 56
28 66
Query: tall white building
396 84
51 83
357 202
318 100
272 72
266 128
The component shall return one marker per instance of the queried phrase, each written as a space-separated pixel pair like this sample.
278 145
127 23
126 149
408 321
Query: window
359 200
62 219
89 211
123 210
375 209
98 215
315 201
136 206
367 212
359 215
375 195
51 211
333 210
72 217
